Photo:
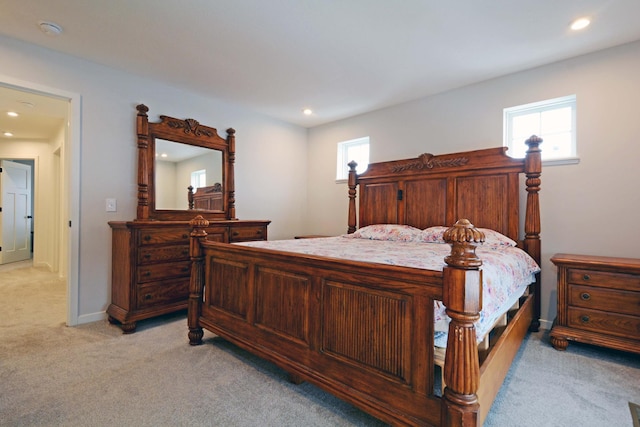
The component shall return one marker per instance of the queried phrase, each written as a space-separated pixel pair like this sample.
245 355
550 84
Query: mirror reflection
178 166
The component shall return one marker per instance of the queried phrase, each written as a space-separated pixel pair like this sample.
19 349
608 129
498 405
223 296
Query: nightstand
598 302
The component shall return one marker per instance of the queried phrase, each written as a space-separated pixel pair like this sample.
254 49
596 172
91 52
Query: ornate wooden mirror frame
188 132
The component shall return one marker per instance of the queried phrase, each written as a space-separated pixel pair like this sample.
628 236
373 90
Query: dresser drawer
153 272
604 279
243 234
603 322
166 292
605 299
168 236
149 254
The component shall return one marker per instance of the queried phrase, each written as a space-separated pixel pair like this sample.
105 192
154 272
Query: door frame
70 193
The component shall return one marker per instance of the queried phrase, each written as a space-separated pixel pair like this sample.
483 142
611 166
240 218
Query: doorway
48 136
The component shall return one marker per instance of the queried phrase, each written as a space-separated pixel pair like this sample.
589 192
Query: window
553 120
199 178
356 150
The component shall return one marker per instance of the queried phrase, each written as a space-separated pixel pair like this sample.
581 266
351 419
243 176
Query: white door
15 237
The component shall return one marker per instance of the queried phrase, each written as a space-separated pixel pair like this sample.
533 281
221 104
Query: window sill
561 162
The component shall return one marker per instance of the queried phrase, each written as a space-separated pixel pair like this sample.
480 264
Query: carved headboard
207 198
482 186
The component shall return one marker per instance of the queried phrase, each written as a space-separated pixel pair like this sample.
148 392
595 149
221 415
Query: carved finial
352 165
231 131
142 109
463 238
533 142
198 224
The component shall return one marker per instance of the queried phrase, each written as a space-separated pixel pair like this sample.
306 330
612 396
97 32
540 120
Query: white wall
270 155
588 208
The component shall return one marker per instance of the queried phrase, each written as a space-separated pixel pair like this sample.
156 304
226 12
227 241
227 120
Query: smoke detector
50 28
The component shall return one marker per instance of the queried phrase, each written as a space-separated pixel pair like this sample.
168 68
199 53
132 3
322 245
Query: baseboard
546 324
92 317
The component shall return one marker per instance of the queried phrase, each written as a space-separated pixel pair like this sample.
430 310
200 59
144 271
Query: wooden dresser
598 302
151 265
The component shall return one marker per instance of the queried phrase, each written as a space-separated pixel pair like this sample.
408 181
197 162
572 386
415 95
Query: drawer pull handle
585 296
235 233
147 256
586 277
146 274
259 232
147 296
185 252
147 237
185 236
185 269
584 319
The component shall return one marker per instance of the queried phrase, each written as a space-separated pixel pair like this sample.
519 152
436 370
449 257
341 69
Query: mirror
183 167
179 166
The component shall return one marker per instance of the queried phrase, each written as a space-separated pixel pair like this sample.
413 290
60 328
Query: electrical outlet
111 205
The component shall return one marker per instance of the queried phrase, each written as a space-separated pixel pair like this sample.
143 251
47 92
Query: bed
365 330
206 198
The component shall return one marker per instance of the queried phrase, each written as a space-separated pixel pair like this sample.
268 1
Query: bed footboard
362 334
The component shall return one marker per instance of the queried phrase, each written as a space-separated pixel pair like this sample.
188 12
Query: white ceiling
338 57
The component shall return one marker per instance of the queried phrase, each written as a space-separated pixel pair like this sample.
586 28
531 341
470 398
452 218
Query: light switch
111 205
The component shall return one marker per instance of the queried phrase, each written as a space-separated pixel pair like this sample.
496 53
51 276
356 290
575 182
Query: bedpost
353 179
462 295
190 196
533 170
196 284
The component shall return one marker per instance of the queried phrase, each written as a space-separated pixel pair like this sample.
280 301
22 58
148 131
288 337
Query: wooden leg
295 379
195 336
559 343
129 327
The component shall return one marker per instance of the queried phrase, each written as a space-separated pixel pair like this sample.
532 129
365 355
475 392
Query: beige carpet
93 375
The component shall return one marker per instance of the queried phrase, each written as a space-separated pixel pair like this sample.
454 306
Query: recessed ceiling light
7 134
307 111
50 28
12 114
580 23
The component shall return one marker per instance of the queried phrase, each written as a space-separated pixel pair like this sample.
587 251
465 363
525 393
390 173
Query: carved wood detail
429 161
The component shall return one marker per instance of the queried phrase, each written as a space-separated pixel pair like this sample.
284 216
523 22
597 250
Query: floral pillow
433 234
491 237
393 232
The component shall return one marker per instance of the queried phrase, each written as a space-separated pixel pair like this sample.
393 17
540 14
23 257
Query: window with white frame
353 150
553 120
199 178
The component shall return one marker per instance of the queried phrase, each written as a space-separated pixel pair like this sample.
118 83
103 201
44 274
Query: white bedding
507 270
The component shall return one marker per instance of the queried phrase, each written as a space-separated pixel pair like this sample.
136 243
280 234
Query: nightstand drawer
604 279
148 254
614 301
604 322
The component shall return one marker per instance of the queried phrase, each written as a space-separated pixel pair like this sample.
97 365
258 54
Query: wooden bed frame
207 198
365 332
